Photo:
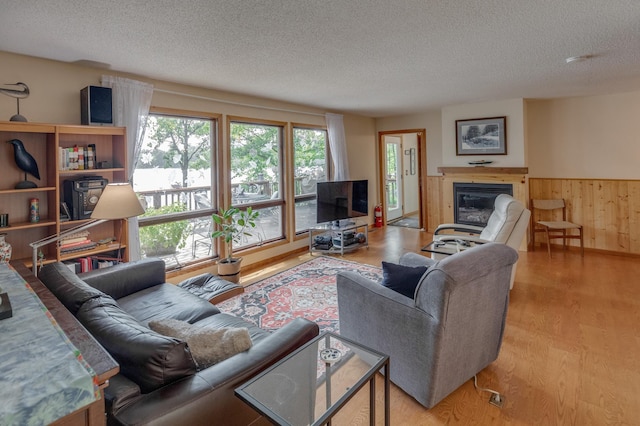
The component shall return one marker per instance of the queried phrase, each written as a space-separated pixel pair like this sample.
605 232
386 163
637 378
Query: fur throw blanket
208 345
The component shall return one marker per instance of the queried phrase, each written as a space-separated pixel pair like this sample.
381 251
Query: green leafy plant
233 224
164 238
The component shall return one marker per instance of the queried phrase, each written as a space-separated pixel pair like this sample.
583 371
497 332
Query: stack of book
78 157
89 263
76 242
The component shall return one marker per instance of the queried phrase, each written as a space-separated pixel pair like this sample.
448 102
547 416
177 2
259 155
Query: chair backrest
508 222
467 294
475 268
547 205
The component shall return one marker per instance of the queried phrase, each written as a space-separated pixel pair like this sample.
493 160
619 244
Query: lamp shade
118 201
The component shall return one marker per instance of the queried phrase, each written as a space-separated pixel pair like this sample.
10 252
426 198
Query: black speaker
96 105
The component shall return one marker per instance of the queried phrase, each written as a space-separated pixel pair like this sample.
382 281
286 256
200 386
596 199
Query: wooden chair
553 228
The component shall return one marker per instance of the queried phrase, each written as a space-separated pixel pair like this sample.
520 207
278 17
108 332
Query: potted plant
232 225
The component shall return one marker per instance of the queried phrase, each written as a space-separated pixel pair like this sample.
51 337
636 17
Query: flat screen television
342 200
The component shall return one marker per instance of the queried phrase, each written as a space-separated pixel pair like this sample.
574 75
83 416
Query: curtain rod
171 92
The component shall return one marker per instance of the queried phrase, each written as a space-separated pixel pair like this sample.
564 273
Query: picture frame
65 214
481 136
412 161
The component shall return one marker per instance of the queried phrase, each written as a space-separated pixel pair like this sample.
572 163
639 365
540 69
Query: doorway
401 171
393 178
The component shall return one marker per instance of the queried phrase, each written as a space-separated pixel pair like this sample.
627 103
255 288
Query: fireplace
473 202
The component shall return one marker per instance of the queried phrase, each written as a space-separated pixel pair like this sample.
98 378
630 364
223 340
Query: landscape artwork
481 136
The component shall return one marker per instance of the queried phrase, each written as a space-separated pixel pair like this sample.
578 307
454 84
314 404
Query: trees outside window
310 151
175 180
256 176
177 174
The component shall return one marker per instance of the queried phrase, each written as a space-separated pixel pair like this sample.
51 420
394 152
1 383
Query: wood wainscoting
609 210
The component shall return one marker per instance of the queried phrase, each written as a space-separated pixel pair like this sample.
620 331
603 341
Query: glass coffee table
310 386
447 247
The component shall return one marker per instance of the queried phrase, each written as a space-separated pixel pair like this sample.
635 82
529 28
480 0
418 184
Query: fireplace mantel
484 170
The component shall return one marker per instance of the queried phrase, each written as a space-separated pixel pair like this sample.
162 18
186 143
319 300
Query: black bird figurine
26 163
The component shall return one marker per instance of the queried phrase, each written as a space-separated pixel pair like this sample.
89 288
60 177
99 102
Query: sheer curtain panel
338 146
131 102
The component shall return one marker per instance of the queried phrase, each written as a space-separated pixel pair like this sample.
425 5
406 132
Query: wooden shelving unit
43 142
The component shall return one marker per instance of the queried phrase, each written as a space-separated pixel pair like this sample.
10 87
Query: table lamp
117 202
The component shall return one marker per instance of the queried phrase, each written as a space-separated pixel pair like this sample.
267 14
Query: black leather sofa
159 383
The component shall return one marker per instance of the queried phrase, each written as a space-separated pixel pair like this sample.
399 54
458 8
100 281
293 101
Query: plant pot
230 271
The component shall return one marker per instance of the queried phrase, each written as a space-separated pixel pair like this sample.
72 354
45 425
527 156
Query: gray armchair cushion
415 259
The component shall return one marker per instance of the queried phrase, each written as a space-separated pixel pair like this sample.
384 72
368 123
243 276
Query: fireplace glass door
473 202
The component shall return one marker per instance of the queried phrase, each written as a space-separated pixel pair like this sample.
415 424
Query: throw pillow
208 345
403 279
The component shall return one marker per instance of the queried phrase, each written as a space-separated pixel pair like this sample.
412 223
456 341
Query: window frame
328 165
279 202
214 187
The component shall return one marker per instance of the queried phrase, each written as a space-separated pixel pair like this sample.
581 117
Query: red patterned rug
307 290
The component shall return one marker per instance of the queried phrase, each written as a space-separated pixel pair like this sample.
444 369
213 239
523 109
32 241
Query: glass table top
311 384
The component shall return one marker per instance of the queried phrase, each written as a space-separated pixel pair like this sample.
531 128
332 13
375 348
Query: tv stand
341 238
339 224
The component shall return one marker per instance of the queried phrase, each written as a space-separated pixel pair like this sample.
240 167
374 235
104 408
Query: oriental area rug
307 290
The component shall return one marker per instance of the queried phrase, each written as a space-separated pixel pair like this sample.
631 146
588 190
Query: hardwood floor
571 349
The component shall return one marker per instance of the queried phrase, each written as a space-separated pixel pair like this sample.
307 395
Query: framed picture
481 136
65 214
412 161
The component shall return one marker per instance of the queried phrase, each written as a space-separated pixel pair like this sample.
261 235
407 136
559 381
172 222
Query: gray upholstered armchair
450 331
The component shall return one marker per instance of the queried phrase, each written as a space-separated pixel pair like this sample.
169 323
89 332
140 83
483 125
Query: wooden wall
435 209
609 210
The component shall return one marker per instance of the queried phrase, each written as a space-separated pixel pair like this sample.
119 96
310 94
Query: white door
393 176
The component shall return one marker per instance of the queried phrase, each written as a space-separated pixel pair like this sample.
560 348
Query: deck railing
242 193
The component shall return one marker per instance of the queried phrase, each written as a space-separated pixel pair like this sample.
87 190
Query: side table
337 232
312 384
440 248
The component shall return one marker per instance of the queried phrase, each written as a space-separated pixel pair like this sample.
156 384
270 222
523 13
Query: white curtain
338 146
131 102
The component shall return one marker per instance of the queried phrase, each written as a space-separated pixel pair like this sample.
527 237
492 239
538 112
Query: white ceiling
371 57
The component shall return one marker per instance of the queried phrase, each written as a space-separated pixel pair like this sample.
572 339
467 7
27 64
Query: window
310 151
175 180
256 177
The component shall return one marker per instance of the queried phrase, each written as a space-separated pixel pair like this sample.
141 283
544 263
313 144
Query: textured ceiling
371 57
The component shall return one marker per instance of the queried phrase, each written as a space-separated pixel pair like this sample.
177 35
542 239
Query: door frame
422 172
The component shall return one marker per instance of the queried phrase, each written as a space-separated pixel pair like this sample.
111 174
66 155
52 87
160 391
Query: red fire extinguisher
377 213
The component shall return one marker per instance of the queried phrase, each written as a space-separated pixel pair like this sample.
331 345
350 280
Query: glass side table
310 386
336 233
447 247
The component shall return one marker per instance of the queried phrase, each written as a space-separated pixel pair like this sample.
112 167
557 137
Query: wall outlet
496 399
